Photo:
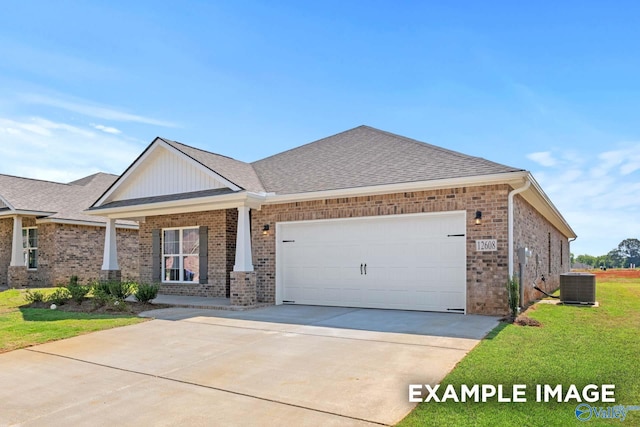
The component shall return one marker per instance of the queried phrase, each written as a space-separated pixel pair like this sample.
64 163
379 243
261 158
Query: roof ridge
311 142
35 179
436 147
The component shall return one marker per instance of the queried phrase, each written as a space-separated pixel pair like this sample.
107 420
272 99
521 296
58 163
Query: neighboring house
45 238
364 218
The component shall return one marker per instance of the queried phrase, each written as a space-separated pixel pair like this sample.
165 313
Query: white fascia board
23 212
157 143
252 200
472 181
6 203
85 223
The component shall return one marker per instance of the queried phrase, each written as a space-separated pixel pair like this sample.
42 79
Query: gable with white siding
164 173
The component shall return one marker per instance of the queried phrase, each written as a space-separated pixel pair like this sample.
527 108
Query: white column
243 242
110 258
17 252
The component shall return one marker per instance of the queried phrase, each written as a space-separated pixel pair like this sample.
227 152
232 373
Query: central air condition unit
578 288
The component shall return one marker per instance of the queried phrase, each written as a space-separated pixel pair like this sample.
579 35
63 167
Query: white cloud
543 158
107 129
92 110
56 151
598 194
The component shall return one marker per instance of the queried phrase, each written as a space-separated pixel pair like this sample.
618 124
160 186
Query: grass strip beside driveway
575 345
24 327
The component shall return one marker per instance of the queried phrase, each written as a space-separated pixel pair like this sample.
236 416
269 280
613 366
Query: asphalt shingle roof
60 201
239 173
366 156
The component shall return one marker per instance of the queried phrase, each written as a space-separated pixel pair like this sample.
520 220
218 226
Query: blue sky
548 87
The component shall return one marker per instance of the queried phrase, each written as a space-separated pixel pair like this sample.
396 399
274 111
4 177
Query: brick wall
79 250
66 250
6 236
221 241
487 272
551 248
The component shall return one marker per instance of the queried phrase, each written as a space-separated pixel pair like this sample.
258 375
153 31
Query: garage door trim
279 244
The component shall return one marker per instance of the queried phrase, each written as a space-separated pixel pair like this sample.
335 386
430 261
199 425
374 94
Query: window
30 247
549 254
180 255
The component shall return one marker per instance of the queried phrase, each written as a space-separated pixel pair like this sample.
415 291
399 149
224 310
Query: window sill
179 283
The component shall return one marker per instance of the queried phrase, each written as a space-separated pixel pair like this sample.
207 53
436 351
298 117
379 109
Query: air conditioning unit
578 288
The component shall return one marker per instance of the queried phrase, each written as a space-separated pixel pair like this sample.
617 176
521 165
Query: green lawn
575 345
23 327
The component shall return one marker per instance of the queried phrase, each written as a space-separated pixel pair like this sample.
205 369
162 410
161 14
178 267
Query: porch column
17 253
110 268
243 278
17 272
243 242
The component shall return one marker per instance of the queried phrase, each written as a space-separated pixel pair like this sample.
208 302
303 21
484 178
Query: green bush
145 292
73 280
513 292
100 287
101 295
59 296
121 290
35 296
78 292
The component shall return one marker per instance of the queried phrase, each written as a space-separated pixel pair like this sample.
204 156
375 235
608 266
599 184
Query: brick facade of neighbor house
221 225
6 236
533 231
487 272
66 250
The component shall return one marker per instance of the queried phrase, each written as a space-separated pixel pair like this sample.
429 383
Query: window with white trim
181 254
30 247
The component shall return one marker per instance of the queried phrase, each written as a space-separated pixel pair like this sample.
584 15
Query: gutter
510 219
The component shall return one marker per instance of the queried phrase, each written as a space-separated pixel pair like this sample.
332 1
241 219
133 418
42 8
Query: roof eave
511 178
84 223
25 212
234 200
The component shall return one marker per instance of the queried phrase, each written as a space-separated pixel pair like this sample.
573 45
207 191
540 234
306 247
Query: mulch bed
88 306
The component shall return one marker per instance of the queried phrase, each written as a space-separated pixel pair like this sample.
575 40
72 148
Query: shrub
101 295
100 288
78 292
513 291
145 292
121 290
59 296
73 280
35 296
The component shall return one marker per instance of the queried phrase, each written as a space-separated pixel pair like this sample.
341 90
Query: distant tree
629 251
613 259
587 259
572 258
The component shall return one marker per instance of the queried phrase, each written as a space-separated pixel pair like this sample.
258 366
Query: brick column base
110 275
17 277
243 288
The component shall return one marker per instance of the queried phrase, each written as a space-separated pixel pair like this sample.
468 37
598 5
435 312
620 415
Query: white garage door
409 262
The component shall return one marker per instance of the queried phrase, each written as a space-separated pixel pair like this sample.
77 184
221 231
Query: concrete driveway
284 365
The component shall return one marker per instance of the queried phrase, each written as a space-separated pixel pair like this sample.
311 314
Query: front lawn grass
575 345
23 327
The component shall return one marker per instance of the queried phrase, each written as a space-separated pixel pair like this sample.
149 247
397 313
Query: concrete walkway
284 365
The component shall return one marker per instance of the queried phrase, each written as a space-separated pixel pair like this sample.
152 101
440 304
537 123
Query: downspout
510 220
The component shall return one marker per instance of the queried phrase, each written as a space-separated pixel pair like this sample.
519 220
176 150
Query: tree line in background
626 254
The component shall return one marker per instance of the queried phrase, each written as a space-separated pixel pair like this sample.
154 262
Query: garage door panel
411 262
